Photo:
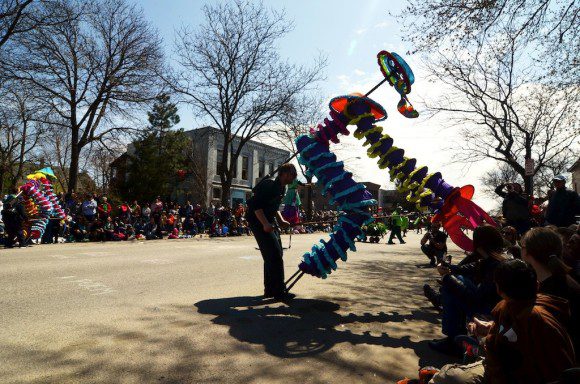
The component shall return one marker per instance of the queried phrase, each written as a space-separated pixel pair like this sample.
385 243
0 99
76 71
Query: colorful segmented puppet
40 202
453 205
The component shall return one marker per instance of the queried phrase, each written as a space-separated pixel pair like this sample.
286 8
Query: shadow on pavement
307 327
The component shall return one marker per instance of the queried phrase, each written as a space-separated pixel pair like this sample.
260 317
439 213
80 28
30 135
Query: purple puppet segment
350 196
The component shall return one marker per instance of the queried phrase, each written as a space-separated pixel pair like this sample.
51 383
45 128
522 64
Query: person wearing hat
564 204
14 217
261 214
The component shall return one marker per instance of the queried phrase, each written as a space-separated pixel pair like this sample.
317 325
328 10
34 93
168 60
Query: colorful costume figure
292 203
40 202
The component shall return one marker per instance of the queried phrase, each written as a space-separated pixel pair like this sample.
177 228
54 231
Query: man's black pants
271 249
432 253
396 231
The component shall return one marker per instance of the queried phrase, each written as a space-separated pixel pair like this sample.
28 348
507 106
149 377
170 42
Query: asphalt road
189 311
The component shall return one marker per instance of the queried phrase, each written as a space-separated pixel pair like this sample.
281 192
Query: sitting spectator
109 229
89 208
104 209
571 254
525 342
467 288
150 230
174 234
510 236
433 244
542 248
79 229
120 230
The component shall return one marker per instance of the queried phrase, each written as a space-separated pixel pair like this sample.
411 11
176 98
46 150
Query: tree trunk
73 171
226 191
2 182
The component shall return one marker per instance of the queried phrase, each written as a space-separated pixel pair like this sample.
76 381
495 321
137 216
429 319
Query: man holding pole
261 215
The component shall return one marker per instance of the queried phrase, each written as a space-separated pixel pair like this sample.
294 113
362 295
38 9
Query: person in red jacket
104 209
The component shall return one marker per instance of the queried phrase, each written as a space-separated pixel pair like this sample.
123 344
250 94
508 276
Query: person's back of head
516 280
488 239
544 247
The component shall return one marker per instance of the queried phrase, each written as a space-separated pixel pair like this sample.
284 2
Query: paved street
188 311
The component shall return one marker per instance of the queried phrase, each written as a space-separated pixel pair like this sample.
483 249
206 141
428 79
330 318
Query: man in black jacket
564 204
514 207
14 217
262 212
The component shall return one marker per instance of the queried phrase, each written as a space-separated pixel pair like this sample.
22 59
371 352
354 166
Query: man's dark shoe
403 242
286 296
446 346
390 242
433 297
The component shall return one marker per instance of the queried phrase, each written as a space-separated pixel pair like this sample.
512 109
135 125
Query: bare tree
550 29
20 134
23 16
503 115
92 71
101 158
231 73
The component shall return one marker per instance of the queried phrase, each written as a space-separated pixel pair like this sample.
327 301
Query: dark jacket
527 343
13 216
480 272
564 205
514 206
267 196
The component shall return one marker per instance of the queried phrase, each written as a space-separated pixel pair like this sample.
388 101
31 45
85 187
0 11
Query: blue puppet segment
350 197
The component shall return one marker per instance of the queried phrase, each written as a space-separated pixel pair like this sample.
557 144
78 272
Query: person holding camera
515 207
433 244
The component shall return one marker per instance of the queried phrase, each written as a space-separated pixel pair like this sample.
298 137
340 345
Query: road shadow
308 327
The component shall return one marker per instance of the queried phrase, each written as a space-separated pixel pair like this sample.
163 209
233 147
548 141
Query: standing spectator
156 211
564 204
433 244
514 207
89 208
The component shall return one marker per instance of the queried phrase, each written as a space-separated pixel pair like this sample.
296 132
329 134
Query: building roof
575 166
252 143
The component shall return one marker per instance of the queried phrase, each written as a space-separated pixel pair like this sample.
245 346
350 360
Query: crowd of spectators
90 217
510 309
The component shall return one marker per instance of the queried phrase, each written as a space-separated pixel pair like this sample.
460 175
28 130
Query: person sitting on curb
433 244
526 341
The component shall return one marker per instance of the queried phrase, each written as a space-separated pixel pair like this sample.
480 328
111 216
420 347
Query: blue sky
350 34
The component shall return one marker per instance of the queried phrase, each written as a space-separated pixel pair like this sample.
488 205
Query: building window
245 166
218 162
261 168
235 169
271 166
217 193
